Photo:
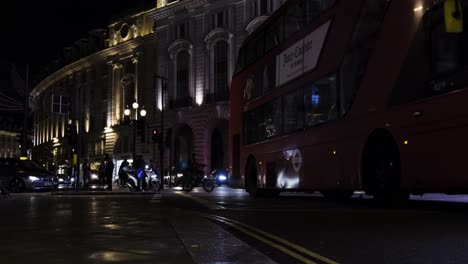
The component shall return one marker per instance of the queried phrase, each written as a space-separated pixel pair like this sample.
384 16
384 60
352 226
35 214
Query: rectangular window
320 101
263 7
445 50
294 19
182 31
293 111
263 123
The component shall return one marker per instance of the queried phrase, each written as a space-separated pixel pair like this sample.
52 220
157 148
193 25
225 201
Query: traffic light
155 135
70 134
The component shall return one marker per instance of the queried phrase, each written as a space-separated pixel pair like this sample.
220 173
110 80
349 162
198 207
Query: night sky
35 31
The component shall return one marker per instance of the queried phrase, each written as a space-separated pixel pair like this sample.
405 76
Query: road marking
209 204
156 198
245 229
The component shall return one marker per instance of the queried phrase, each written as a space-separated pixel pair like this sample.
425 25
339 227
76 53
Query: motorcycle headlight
222 177
34 178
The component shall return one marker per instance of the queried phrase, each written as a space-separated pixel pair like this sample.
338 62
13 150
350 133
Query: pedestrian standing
122 174
86 173
102 172
109 171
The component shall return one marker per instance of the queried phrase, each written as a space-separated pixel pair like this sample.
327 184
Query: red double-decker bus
338 96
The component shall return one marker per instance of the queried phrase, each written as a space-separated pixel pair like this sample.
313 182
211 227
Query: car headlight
34 178
222 177
60 180
94 176
179 175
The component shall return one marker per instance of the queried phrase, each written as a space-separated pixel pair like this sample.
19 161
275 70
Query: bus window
260 45
361 47
446 48
320 101
250 55
273 119
294 19
273 36
311 10
240 61
263 123
293 111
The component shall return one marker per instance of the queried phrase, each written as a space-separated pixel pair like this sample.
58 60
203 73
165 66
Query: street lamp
127 113
161 148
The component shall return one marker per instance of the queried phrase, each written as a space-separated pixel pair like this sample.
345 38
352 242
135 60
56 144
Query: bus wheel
382 169
251 179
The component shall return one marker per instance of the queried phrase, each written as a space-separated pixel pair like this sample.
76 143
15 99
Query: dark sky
34 31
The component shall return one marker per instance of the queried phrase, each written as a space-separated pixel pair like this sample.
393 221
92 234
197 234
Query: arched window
221 88
183 78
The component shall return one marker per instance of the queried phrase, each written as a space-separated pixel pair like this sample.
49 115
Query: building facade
175 60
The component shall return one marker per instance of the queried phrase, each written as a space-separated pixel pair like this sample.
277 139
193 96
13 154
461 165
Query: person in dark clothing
122 174
140 165
86 173
102 172
109 172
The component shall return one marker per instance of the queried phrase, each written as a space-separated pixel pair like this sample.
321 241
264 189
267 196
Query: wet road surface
227 226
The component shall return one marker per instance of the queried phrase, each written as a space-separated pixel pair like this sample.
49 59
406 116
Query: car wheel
17 185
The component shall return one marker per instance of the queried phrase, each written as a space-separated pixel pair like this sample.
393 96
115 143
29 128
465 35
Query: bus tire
381 170
251 178
251 184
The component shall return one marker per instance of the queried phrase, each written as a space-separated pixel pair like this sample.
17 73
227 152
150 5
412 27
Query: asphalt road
227 226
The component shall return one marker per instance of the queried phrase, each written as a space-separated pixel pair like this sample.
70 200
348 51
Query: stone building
191 43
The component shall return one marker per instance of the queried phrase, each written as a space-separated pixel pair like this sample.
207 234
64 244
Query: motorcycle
148 180
220 176
193 177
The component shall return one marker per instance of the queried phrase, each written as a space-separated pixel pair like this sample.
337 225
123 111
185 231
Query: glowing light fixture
23 158
143 112
334 152
127 112
135 105
418 8
405 142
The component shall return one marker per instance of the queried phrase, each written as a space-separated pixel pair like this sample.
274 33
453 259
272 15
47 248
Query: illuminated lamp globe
143 112
127 112
135 105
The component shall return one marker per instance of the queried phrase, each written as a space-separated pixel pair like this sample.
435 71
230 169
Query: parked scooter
194 177
141 180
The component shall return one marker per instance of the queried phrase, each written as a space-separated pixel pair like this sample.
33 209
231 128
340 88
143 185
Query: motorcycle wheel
187 186
208 185
155 186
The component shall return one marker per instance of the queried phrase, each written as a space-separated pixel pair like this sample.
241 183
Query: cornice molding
168 11
91 60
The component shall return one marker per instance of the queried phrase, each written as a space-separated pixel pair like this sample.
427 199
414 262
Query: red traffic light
155 136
